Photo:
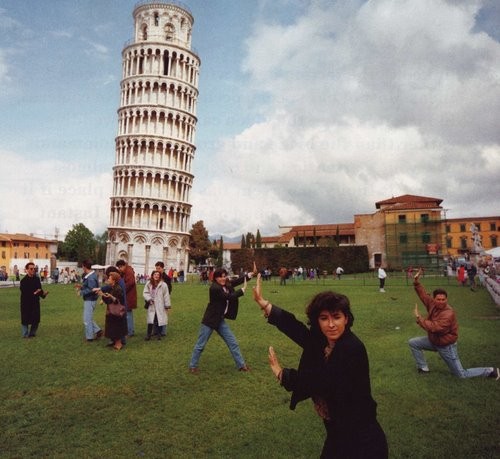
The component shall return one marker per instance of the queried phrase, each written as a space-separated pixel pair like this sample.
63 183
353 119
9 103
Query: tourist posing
442 334
333 371
223 304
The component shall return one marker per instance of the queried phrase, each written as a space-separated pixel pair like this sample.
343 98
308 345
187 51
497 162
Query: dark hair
29 264
439 291
331 302
121 263
151 278
160 264
87 264
111 269
219 272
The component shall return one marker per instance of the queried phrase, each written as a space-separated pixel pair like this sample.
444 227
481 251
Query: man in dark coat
31 291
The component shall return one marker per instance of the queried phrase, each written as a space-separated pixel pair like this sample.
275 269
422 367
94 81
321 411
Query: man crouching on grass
442 334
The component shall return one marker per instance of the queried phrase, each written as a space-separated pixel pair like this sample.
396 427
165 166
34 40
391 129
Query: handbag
146 305
116 309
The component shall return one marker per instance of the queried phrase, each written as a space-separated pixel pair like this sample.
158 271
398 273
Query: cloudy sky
309 111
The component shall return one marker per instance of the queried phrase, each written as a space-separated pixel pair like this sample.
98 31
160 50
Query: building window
36 255
478 226
15 254
463 242
403 238
462 227
26 244
3 254
426 238
424 218
169 32
157 19
449 241
3 243
493 241
402 218
448 228
493 226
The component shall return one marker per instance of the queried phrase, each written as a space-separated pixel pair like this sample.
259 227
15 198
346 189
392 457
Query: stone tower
154 152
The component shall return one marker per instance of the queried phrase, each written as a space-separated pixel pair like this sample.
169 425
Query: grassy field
62 397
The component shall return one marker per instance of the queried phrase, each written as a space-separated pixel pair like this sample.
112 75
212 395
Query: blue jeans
91 328
226 334
27 332
448 353
130 322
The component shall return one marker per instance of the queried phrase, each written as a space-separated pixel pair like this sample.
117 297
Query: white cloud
398 97
38 196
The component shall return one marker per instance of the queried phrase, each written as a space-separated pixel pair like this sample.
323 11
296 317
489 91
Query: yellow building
18 249
458 234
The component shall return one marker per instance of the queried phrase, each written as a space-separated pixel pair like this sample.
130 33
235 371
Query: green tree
250 241
101 245
258 240
79 244
199 242
220 254
243 244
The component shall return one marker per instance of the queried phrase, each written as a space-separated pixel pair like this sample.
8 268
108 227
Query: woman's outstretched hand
274 364
257 292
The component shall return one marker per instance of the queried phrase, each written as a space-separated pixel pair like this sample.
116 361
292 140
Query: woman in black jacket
333 371
223 304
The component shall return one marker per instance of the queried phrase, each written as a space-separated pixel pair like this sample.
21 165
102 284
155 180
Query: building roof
232 245
472 219
24 238
409 201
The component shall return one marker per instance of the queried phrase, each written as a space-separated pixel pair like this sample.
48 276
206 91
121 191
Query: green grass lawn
62 397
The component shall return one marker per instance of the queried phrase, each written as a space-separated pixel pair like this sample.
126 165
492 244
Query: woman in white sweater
158 303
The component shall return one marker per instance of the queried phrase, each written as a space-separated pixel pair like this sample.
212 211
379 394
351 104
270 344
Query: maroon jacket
441 323
130 287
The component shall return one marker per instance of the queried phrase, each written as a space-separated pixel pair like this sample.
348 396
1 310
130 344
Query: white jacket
159 302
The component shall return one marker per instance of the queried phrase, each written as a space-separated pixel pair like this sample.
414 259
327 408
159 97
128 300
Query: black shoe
147 338
495 374
90 340
158 337
99 334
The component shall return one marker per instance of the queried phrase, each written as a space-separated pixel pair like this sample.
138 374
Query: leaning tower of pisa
154 148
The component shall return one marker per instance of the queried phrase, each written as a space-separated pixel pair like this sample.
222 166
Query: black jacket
223 304
343 380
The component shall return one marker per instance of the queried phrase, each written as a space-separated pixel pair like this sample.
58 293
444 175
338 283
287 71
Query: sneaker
495 374
194 370
423 371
